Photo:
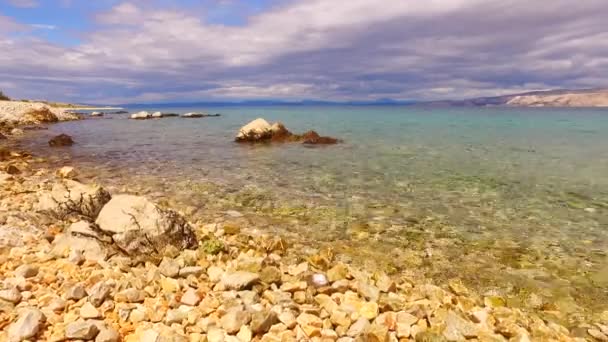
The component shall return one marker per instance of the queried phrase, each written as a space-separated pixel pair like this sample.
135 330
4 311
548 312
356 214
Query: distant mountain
547 98
252 103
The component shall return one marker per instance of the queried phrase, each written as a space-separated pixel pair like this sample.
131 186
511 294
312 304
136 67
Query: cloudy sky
110 51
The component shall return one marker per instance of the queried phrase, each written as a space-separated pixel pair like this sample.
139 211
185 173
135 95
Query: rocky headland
78 262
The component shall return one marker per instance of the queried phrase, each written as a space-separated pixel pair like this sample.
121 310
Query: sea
511 201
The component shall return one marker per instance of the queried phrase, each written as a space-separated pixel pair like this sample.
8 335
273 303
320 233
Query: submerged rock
140 227
313 138
194 115
61 140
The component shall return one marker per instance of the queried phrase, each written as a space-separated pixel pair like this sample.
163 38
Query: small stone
358 328
368 291
81 330
67 172
76 293
288 318
376 333
13 295
12 170
215 335
338 272
270 275
76 257
369 310
385 283
57 305
130 296
89 311
244 334
215 274
178 315
149 335
319 280
234 320
27 325
458 328
26 271
261 321
196 271
340 318
169 268
191 298
98 293
458 287
239 280
107 335
310 324
598 335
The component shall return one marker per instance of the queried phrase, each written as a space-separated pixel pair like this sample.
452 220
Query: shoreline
380 307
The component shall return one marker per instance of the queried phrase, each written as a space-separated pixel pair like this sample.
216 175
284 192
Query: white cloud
326 49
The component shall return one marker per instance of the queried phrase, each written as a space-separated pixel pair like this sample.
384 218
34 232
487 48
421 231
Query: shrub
3 97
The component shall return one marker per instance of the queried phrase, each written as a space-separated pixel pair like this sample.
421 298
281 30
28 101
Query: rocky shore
80 263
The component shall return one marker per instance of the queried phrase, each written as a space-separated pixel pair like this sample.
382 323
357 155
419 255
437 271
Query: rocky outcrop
260 131
140 227
96 114
27 113
73 199
61 140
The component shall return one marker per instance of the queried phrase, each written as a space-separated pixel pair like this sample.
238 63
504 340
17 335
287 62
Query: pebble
76 292
130 296
98 293
89 311
239 280
169 267
13 295
190 298
26 271
261 321
81 330
107 335
234 320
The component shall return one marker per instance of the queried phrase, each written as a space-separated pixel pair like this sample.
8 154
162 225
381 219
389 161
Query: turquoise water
513 201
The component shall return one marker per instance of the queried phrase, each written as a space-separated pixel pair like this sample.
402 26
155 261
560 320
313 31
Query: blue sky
118 51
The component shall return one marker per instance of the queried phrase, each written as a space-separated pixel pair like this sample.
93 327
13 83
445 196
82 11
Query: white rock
141 115
27 325
157 115
107 335
138 226
89 311
254 130
81 330
73 198
191 298
12 295
239 280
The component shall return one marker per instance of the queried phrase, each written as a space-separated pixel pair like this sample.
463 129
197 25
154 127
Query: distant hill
548 98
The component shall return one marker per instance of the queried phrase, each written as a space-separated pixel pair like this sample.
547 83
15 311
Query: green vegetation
3 97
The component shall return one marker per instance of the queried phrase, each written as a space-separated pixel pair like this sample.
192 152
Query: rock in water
138 226
256 130
96 114
157 115
27 326
71 198
194 115
141 115
61 140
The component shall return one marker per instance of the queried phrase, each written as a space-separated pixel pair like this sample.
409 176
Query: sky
138 51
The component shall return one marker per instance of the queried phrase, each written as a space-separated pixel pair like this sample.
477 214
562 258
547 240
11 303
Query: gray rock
98 293
239 280
80 330
26 271
76 293
27 325
169 268
139 227
196 271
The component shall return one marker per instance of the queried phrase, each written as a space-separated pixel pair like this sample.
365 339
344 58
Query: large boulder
260 130
73 199
41 114
140 227
256 130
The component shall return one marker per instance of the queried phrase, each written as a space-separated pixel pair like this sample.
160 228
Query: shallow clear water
513 201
